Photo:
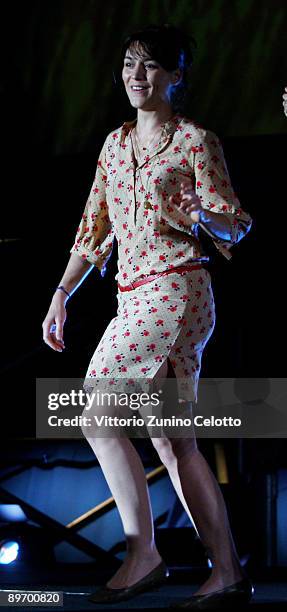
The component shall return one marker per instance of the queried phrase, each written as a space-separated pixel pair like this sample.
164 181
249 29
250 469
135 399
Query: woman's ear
176 76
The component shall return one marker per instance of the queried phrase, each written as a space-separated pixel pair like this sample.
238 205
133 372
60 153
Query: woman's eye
149 66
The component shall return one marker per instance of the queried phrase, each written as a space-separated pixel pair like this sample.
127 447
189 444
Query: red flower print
145 332
170 244
185 297
137 359
165 334
105 371
151 347
133 347
159 322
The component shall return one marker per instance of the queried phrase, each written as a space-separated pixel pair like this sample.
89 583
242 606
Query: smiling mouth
138 88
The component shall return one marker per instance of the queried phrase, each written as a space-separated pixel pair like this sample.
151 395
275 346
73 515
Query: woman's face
147 84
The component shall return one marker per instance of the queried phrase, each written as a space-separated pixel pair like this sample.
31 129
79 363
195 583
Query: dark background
58 102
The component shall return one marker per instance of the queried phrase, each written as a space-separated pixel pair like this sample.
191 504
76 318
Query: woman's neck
149 121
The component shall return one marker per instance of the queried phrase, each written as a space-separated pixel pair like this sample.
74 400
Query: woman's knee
93 424
164 450
171 450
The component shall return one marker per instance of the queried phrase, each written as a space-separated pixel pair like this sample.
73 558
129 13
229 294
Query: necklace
148 144
146 147
136 154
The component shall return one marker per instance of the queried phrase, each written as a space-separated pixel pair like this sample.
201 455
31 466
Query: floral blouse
130 201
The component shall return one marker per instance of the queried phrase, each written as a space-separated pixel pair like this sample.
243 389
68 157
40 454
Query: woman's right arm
92 248
75 271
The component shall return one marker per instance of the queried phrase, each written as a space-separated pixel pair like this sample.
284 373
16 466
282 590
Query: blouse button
148 205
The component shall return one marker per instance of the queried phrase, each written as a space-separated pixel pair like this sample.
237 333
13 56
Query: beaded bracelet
63 289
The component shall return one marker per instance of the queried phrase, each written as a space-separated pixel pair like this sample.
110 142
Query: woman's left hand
188 201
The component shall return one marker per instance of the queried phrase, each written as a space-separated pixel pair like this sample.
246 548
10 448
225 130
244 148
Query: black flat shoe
152 580
232 597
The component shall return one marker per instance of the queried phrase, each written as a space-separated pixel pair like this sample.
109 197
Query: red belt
148 279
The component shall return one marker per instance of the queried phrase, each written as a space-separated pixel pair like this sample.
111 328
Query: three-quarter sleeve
213 186
94 238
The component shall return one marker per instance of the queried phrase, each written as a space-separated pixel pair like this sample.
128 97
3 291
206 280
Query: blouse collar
169 127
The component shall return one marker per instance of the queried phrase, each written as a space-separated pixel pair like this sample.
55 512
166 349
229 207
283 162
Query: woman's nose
139 71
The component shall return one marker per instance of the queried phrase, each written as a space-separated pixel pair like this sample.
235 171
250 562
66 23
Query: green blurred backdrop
57 88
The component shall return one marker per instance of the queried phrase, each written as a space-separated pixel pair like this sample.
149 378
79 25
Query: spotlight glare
8 551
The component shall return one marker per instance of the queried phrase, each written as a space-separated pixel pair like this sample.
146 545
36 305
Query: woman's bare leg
201 496
190 473
126 479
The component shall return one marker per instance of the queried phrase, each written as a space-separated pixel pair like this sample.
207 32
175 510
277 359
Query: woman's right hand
53 325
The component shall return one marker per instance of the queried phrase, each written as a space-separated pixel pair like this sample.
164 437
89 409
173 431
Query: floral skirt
171 317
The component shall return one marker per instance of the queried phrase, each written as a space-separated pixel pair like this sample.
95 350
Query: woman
159 179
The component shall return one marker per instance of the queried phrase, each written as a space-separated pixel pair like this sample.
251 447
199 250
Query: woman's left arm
213 203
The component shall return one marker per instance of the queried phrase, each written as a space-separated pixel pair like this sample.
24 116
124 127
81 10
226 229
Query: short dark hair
171 48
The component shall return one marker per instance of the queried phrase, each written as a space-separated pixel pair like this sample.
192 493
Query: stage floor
268 597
